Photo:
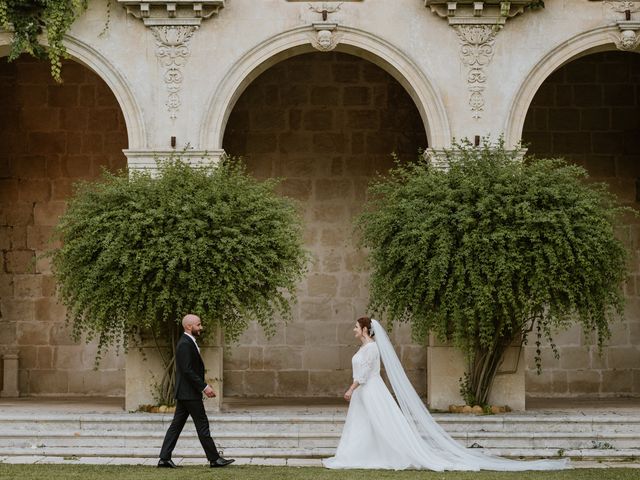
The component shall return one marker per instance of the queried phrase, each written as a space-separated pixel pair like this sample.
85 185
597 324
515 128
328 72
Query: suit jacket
189 370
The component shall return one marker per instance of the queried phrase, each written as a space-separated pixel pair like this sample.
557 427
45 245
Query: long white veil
435 438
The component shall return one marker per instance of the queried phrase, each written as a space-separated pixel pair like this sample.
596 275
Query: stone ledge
174 12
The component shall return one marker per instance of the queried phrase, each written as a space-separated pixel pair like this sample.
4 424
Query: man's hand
209 392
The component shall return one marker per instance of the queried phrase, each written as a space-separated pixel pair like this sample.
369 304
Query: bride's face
357 330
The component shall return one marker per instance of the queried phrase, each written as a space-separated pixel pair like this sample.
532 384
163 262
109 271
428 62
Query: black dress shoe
221 462
166 464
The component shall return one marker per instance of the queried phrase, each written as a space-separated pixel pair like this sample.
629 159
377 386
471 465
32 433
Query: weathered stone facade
589 112
52 135
325 123
259 79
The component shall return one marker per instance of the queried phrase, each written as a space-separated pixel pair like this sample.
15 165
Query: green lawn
92 472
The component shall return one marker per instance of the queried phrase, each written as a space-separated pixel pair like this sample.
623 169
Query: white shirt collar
192 338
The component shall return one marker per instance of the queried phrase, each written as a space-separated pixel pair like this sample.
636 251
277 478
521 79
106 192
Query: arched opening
588 111
51 135
325 123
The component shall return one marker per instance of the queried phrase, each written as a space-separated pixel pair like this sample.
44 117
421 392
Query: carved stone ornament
173 12
476 51
468 12
325 38
172 49
629 37
631 6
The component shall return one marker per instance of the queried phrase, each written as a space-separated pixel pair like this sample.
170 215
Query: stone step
261 439
302 453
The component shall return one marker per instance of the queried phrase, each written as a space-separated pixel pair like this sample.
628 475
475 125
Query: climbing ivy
28 19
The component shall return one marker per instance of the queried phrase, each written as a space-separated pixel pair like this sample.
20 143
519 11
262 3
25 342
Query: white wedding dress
380 434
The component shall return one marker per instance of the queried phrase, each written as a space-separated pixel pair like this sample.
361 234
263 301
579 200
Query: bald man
190 386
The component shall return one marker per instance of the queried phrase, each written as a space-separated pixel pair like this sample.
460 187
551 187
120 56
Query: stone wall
50 136
325 123
589 112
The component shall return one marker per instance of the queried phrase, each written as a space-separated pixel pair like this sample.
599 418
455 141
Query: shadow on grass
119 472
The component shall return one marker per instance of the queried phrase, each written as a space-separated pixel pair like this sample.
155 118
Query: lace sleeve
365 364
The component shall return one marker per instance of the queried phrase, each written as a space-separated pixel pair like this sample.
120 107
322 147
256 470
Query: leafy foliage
28 19
494 247
140 252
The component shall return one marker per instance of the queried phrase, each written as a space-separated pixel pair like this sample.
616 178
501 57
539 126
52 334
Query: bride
379 434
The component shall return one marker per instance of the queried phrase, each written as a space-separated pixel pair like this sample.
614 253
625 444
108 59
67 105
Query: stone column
10 375
446 366
144 371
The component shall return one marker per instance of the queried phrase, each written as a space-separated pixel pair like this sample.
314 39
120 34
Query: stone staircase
311 435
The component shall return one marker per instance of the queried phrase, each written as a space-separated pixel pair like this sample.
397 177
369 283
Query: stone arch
354 41
115 80
592 41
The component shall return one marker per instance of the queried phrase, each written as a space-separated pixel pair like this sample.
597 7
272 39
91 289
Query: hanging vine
28 19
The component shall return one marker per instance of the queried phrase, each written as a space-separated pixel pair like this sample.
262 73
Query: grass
119 472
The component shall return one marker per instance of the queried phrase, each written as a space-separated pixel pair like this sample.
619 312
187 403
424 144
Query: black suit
188 393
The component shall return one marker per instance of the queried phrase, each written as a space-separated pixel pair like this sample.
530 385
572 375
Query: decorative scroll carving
468 12
172 49
630 6
476 51
172 12
628 39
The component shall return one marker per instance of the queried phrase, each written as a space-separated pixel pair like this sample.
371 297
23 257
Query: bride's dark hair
365 322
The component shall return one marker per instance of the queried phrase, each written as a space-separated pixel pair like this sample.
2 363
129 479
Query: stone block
19 261
87 95
564 95
75 118
31 95
20 213
356 96
322 285
104 382
345 72
564 119
48 213
363 120
27 286
49 310
350 286
574 358
45 357
618 95
233 384
294 383
48 381
346 335
571 336
584 382
314 310
18 310
294 95
383 143
609 142
41 119
580 72
30 166
332 189
47 143
414 357
331 143
317 120
43 263
329 382
331 213
320 333
6 284
333 237
321 358
40 237
260 384
236 357
267 120
18 238
8 330
617 381
32 333
63 95
595 119
68 357
295 334
345 355
622 358
60 334
282 358
32 190
62 188
625 118
295 142
299 189
325 95
600 166
346 310
331 262
28 357
628 166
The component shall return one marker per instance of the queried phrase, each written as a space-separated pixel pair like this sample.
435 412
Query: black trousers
184 408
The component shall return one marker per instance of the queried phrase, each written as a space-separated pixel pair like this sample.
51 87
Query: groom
190 386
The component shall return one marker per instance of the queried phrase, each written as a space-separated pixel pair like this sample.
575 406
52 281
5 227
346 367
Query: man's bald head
190 321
